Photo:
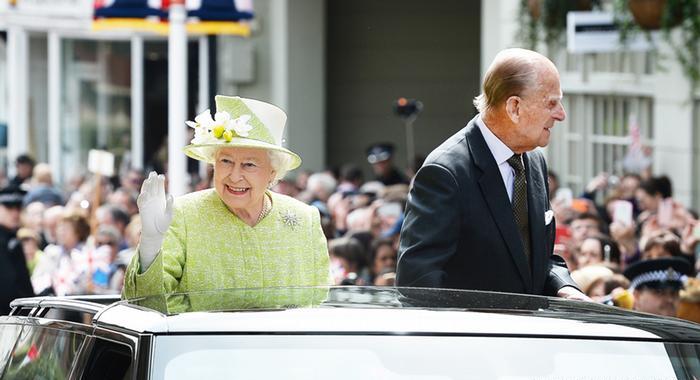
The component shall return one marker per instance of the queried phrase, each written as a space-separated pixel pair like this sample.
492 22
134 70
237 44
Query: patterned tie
520 202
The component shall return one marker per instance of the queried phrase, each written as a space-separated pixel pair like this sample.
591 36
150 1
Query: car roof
401 311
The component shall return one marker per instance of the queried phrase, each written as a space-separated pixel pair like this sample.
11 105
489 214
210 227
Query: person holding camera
478 212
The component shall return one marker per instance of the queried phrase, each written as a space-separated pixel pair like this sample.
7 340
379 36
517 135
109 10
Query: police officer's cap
11 196
663 273
379 152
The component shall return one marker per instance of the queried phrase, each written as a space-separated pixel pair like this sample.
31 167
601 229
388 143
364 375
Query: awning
203 16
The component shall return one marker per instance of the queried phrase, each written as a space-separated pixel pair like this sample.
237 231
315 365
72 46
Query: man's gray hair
512 72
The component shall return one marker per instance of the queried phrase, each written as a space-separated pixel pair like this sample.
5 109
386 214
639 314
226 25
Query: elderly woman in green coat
238 235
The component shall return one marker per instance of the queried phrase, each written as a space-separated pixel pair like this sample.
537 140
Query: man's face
10 216
590 253
24 170
628 186
540 108
656 301
381 168
583 228
647 201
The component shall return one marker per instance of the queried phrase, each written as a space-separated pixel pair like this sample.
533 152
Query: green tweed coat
207 247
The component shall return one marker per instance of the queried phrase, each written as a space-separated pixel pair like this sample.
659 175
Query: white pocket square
548 216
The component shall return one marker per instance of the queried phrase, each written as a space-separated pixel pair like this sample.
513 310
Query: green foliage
545 20
683 15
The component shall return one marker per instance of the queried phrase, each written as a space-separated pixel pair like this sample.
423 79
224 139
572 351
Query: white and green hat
239 122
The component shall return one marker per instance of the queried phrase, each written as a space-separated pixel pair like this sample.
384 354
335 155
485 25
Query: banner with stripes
203 16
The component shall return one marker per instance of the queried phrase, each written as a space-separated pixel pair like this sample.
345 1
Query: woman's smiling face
241 176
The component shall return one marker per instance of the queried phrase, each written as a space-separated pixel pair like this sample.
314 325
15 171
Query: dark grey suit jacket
459 230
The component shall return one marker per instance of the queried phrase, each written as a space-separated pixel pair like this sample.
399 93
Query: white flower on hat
240 125
203 126
210 131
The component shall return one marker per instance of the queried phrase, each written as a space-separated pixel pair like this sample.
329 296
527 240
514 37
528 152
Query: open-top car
350 333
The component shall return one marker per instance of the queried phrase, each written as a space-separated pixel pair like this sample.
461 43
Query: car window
417 357
108 361
43 353
8 337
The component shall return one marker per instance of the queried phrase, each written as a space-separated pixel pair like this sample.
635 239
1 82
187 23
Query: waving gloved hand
156 212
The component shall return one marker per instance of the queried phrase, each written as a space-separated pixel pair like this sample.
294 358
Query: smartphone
665 212
622 212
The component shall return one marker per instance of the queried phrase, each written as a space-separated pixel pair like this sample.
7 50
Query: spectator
320 186
689 306
380 157
66 268
125 199
33 218
49 226
598 249
132 236
108 278
651 192
42 188
347 261
24 165
351 178
112 215
30 245
382 261
591 279
583 226
661 243
132 180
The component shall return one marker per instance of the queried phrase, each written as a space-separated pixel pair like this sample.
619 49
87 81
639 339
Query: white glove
156 214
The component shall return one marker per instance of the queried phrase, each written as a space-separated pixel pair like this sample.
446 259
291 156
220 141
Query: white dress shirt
501 153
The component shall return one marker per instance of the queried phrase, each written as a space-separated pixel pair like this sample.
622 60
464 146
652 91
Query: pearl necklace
267 207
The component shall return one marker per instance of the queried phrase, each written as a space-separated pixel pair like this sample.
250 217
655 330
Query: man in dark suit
478 212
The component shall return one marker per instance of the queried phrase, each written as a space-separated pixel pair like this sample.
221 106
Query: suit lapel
494 192
536 199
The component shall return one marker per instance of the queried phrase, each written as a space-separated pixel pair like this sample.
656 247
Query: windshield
419 357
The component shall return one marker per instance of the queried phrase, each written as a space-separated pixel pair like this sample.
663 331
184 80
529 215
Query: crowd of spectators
79 240
619 225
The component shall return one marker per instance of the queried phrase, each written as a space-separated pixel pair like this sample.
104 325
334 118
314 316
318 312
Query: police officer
379 156
14 276
656 283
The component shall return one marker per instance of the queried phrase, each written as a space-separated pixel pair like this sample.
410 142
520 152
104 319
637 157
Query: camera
407 108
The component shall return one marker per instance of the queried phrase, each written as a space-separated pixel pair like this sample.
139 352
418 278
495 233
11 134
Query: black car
354 333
